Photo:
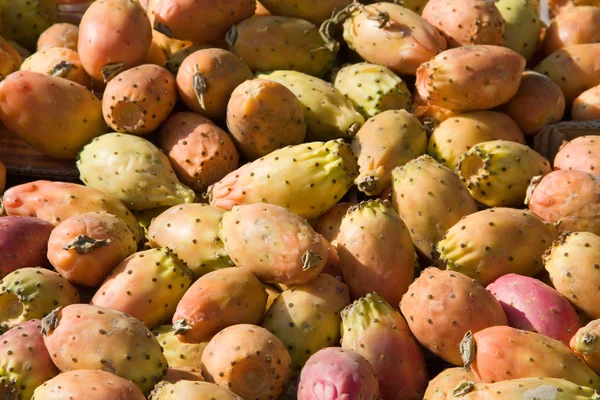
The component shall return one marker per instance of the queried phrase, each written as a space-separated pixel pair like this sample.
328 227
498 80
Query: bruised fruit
184 389
59 35
580 154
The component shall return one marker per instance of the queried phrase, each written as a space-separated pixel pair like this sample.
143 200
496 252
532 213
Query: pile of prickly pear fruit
301 199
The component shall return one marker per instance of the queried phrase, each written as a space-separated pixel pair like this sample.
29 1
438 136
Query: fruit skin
2 177
334 371
402 52
32 293
531 388
273 243
114 36
550 313
76 337
57 61
577 25
573 68
132 169
586 105
502 353
294 319
329 223
471 78
488 171
175 60
308 179
23 20
567 199
475 127
60 34
200 152
191 390
443 386
139 100
207 78
538 102
441 306
182 358
571 263
29 100
217 300
430 199
373 329
248 360
168 45
23 243
585 344
386 141
198 21
84 248
522 26
263 116
329 115
10 59
466 22
315 11
77 384
25 363
271 43
54 202
490 243
579 154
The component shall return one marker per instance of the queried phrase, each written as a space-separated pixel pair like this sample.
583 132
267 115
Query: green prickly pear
24 20
132 169
293 317
308 179
30 293
329 115
522 26
191 390
181 357
146 285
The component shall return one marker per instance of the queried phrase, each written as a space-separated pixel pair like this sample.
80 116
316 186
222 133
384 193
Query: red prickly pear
59 35
449 383
585 344
380 334
580 154
60 62
333 373
551 314
528 388
577 25
183 389
441 306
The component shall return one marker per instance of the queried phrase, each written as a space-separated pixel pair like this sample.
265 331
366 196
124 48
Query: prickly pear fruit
587 105
502 353
474 127
385 141
538 102
466 22
577 25
293 319
447 383
373 329
373 89
84 248
139 100
580 154
191 390
59 35
568 199
10 59
169 45
88 384
24 20
217 300
60 62
248 360
585 344
522 26
572 263
263 116
181 357
551 314
24 362
329 115
329 223
119 344
488 171
207 78
21 51
315 11
146 285
65 109
308 179
33 292
285 43
419 188
441 306
528 388
175 60
54 202
200 152
373 32
23 243
573 68
200 22
495 242
2 177
114 36
334 372
132 169
273 243
376 252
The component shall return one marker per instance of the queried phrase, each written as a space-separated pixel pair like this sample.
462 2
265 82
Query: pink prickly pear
580 154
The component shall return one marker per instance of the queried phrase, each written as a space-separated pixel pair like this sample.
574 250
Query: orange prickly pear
58 61
183 389
580 154
444 386
59 35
